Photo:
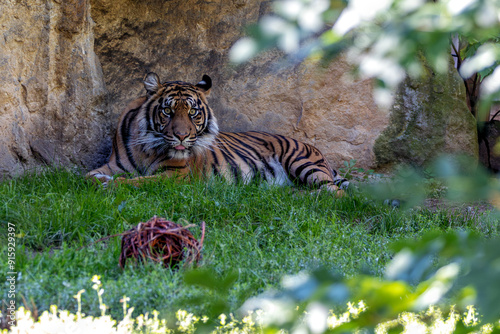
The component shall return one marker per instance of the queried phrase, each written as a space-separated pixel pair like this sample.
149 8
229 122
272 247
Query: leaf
485 57
487 71
470 50
121 206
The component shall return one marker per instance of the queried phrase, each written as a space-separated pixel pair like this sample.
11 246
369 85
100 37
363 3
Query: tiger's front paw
100 179
117 180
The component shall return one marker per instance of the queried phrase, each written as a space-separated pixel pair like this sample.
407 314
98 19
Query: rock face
429 117
58 105
184 39
51 89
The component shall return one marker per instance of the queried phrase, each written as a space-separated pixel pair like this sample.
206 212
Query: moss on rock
429 118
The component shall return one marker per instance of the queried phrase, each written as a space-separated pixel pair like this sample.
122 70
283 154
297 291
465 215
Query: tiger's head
178 121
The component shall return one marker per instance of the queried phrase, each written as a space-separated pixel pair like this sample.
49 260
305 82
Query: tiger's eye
166 111
192 112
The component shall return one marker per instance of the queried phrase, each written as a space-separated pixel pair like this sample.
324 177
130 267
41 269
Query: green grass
256 233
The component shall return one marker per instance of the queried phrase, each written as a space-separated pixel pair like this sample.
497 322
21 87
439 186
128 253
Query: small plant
439 269
351 172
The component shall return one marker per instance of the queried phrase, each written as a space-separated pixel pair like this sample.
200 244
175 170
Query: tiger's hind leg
339 181
323 179
333 188
308 166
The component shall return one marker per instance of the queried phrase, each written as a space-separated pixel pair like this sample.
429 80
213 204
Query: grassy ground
255 234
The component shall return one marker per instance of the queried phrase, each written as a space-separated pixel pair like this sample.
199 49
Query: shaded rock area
429 117
68 68
184 39
52 94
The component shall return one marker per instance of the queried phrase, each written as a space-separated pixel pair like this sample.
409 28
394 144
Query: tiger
172 132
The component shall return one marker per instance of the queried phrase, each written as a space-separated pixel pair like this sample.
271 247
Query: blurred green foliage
460 178
453 270
385 39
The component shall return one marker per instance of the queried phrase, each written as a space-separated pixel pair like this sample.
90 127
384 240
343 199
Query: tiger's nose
181 135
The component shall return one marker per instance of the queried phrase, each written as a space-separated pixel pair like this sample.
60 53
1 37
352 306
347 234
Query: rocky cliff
67 68
429 116
52 93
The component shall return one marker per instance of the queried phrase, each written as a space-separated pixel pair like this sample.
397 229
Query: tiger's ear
205 84
151 83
